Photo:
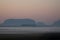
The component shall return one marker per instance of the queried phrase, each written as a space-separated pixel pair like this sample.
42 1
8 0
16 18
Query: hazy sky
40 10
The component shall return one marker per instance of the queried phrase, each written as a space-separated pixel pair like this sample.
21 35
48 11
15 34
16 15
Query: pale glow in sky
40 10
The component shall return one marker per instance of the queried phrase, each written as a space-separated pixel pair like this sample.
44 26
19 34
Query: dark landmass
26 23
19 22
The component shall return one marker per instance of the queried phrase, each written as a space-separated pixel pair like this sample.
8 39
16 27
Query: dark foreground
30 33
38 36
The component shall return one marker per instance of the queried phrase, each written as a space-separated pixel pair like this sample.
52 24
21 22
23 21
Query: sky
47 11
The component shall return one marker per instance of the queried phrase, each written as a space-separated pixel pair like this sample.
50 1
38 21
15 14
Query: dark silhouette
26 23
18 22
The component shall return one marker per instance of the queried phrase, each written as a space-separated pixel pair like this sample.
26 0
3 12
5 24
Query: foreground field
28 30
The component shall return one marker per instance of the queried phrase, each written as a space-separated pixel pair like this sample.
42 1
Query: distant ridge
19 22
26 23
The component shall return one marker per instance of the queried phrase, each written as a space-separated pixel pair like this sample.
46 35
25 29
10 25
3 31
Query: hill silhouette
27 23
19 22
